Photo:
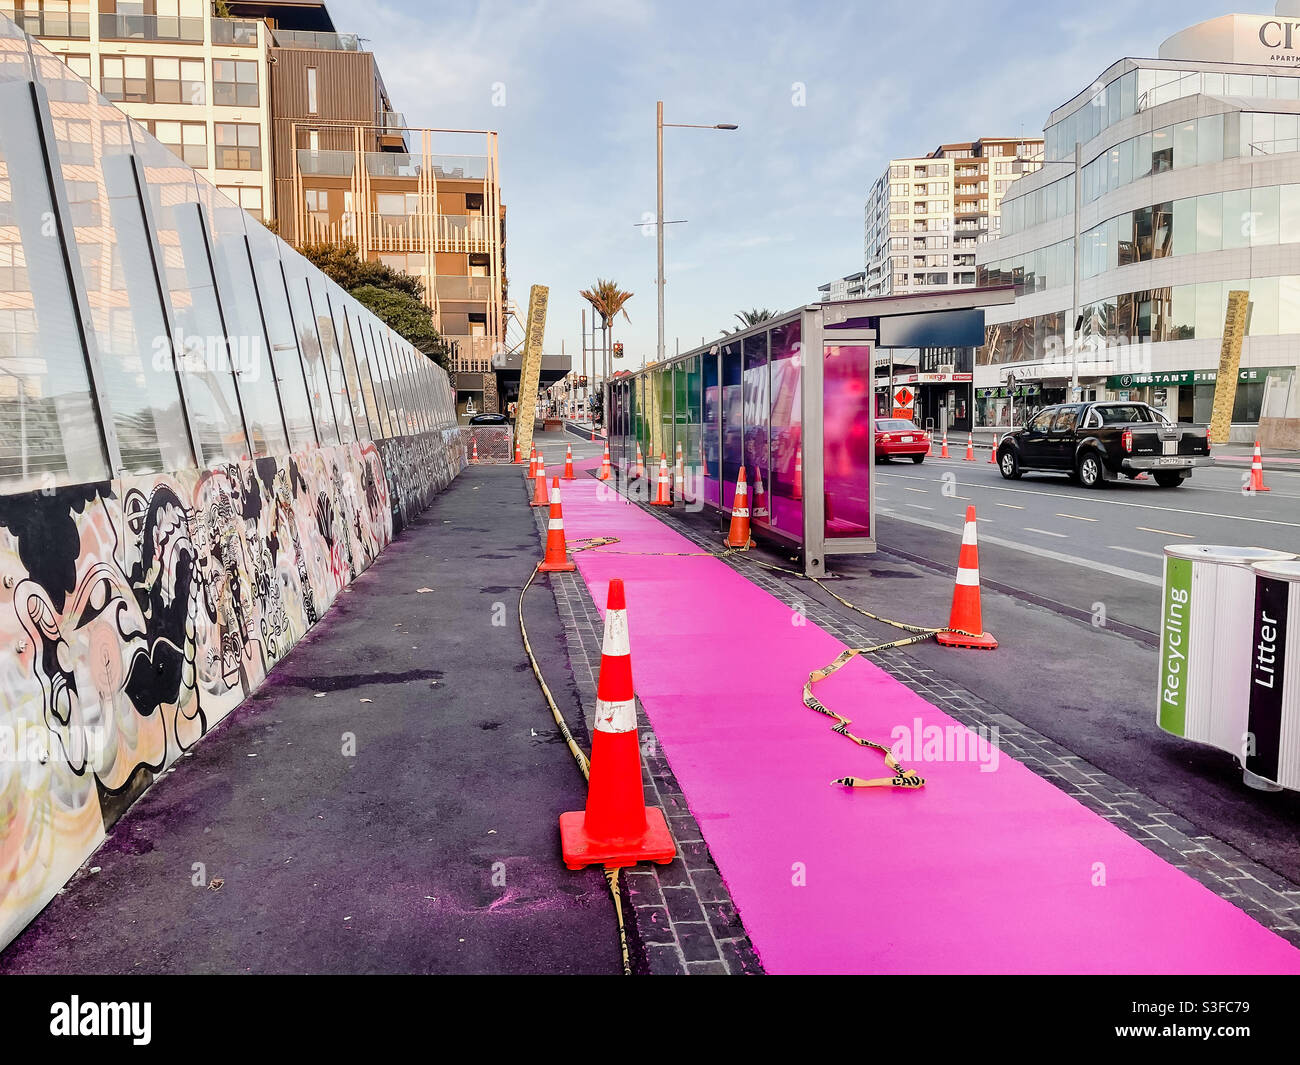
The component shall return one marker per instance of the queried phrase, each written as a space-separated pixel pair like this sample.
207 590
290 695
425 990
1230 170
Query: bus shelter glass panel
785 488
49 428
264 253
680 414
245 343
694 416
733 425
846 417
711 429
757 410
666 409
112 246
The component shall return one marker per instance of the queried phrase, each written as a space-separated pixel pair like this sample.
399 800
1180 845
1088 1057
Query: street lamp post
659 204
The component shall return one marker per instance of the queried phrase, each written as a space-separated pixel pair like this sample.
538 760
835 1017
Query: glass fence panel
711 432
49 428
314 362
130 334
352 375
733 424
846 417
756 402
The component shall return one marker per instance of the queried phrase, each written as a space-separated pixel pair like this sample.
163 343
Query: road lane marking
1135 551
921 490
1046 533
917 506
1116 502
1164 532
1010 506
1076 517
1039 552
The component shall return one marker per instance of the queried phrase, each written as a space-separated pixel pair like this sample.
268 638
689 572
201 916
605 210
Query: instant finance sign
1175 631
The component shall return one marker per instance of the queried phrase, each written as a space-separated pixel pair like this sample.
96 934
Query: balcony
475 350
326 162
114 27
75 25
460 167
393 164
475 289
311 39
234 31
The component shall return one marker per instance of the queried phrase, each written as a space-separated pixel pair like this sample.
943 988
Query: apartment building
925 216
291 120
1189 174
849 287
198 83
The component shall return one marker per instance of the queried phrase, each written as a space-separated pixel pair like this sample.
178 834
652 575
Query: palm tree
751 317
607 300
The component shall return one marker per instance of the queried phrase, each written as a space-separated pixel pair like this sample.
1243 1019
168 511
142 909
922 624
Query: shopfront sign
1245 375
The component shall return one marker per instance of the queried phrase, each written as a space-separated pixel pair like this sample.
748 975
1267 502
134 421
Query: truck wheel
1169 479
1091 474
1009 465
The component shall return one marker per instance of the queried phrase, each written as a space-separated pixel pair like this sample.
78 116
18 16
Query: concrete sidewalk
434 848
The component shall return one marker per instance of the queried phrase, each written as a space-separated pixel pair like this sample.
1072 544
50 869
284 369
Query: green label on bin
1175 633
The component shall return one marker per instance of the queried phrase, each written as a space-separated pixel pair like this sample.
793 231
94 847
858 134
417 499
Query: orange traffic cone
519 455
541 497
738 534
679 477
663 495
944 453
797 492
970 448
760 499
605 472
616 829
557 558
1257 472
474 455
639 469
568 462
532 463
993 452
966 596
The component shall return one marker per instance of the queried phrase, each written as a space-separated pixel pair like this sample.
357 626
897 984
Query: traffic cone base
982 642
578 849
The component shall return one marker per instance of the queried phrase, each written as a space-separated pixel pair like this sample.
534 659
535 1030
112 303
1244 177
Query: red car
900 438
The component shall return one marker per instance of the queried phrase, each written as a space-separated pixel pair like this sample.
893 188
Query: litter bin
1206 625
1273 719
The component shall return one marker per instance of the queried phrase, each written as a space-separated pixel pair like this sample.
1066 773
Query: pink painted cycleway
978 872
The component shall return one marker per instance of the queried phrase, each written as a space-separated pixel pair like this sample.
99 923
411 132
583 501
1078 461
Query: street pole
586 391
659 221
1074 309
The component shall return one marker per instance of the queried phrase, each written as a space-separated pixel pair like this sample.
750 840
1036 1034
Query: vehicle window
1118 413
1093 420
1042 421
1066 419
895 425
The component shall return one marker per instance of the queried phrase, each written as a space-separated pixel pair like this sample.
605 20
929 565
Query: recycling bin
1206 626
1273 706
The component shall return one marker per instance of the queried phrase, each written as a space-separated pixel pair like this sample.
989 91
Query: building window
189 140
311 91
239 146
79 65
178 81
249 197
316 201
234 82
125 79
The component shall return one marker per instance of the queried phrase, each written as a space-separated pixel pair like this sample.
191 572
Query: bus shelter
791 400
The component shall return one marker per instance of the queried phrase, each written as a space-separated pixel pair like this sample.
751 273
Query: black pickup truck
1099 442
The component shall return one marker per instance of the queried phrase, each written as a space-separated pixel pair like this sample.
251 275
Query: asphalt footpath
386 803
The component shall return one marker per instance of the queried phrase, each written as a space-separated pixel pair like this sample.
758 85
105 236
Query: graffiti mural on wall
136 614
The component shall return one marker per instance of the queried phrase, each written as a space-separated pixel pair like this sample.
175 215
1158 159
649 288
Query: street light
1076 162
659 213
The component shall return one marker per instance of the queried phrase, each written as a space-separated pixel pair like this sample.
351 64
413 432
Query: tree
608 301
408 316
750 317
341 263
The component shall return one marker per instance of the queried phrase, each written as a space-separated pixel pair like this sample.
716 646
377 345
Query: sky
824 94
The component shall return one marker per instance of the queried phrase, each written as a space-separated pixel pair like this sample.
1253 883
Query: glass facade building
1188 190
